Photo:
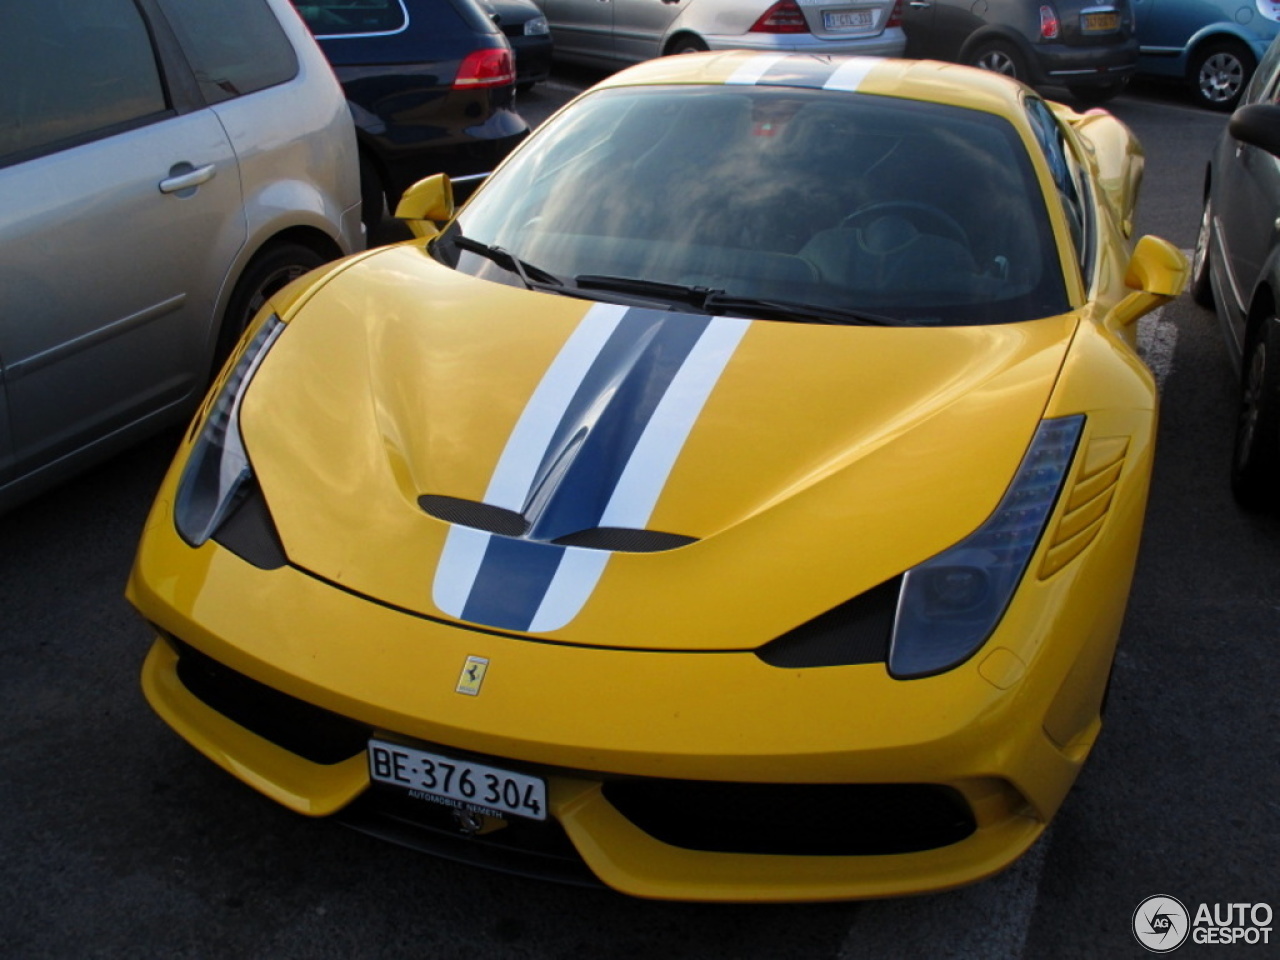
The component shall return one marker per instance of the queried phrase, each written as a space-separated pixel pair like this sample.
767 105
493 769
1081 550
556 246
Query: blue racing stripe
605 419
513 578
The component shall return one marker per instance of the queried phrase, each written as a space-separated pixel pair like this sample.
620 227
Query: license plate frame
838 21
454 782
1100 21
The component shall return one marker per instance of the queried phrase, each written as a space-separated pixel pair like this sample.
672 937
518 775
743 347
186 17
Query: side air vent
1087 502
857 631
508 523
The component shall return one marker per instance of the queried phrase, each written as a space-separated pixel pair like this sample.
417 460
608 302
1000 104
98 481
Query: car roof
926 80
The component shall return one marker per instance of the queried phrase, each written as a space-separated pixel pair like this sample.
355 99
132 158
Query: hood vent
508 523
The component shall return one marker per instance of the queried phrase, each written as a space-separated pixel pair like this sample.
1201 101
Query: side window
234 46
1067 177
1265 84
347 18
73 72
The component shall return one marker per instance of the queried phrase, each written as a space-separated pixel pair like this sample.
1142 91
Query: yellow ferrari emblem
472 676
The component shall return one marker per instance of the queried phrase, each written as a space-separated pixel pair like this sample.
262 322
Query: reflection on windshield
918 211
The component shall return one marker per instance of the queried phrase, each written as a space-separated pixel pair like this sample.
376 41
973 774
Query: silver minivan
164 167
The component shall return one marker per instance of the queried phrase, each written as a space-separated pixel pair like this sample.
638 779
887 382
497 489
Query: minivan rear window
353 18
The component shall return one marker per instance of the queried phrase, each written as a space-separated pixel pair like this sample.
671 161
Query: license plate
1100 22
847 19
456 783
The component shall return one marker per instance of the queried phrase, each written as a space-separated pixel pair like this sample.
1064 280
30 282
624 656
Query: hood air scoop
508 523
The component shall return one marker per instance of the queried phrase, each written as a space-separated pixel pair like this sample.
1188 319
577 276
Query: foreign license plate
456 783
847 19
1101 22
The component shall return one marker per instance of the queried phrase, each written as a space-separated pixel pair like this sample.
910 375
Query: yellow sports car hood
608 475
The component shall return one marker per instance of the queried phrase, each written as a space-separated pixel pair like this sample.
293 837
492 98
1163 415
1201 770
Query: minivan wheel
266 274
687 44
1255 465
1219 73
999 57
1201 285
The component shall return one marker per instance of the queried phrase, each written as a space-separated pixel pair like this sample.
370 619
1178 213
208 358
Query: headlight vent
1087 502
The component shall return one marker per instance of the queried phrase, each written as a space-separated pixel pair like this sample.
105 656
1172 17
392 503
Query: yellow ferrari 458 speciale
736 499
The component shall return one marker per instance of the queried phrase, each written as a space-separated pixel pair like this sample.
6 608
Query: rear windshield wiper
535 278
720 302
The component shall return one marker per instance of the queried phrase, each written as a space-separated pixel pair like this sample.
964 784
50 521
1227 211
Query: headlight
537 27
950 604
218 466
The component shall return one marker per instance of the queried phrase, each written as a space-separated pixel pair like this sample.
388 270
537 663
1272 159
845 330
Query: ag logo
1161 924
472 676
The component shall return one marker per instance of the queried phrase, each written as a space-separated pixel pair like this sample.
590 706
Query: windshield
917 212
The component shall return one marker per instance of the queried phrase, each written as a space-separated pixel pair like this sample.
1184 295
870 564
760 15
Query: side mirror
1258 125
426 203
1157 273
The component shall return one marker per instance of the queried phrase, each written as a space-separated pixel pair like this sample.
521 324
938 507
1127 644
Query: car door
640 25
582 28
122 215
937 29
1246 201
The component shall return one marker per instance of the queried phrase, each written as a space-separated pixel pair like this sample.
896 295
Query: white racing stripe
850 74
755 68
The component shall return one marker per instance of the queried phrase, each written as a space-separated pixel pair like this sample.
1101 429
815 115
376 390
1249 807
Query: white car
165 166
613 32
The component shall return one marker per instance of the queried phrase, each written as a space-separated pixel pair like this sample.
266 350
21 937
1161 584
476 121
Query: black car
1236 270
431 85
1087 46
527 31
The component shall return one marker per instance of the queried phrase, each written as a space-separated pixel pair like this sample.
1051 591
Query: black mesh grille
525 847
297 726
795 819
472 513
857 631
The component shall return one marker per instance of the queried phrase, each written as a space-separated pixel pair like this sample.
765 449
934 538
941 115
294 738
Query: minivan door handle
183 176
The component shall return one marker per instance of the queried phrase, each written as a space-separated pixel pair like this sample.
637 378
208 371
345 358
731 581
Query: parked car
165 167
767 435
1086 46
1236 271
1211 45
612 32
431 85
527 31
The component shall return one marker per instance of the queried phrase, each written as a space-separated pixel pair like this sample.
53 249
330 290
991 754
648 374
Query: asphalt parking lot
118 840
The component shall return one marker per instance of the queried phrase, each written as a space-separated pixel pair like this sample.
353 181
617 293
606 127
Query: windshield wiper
674 292
535 278
720 302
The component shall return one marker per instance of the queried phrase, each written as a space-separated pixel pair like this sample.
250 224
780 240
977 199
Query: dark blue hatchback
431 85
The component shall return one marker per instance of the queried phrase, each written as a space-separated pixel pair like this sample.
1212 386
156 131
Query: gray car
164 167
1236 270
613 32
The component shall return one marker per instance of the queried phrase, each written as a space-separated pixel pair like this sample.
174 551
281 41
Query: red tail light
1049 25
486 68
785 16
895 16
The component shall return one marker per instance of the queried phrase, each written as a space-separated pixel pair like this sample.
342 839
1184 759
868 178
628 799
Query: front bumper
696 724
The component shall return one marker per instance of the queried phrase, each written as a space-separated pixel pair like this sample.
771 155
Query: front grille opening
295 725
795 819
